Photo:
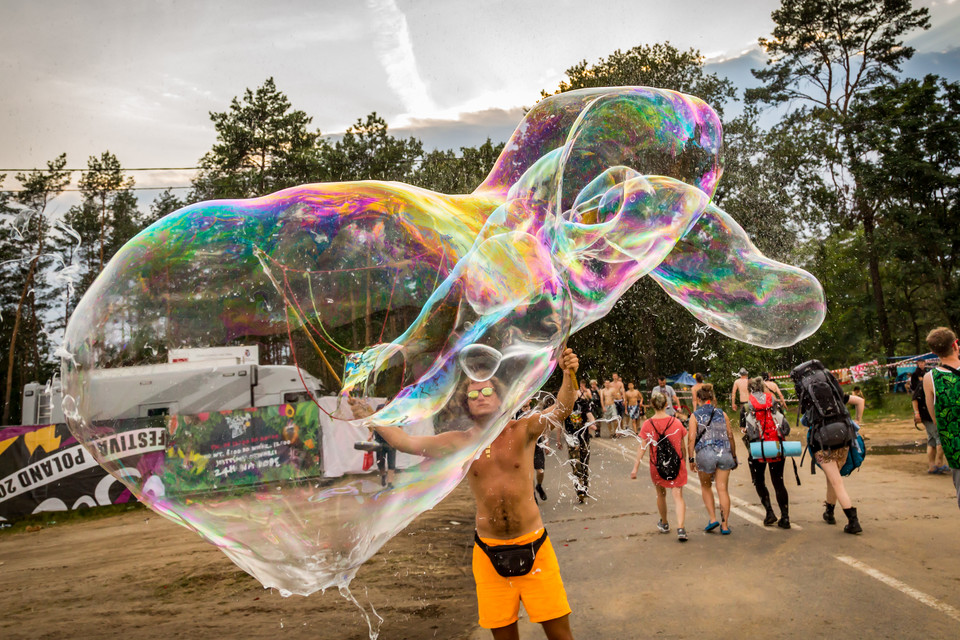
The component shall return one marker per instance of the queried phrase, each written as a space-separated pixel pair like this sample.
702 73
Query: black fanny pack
512 560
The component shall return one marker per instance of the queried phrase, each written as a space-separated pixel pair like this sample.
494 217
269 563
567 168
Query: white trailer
187 387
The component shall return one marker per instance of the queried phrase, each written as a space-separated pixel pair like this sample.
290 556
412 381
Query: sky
140 78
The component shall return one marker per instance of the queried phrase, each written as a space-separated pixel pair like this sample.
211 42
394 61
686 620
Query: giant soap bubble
228 358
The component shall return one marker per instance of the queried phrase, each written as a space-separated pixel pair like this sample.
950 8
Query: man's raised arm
565 396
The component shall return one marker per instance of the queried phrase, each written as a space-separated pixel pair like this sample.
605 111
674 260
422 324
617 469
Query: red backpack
764 416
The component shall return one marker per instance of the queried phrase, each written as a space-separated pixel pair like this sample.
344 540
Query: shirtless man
741 392
507 513
610 417
695 388
634 406
774 388
619 393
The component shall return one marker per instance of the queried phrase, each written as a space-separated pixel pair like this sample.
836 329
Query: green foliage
903 141
896 406
106 218
857 183
368 152
875 391
163 204
263 145
824 56
26 296
659 65
827 52
445 172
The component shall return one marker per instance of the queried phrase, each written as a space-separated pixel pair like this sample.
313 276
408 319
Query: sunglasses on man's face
475 393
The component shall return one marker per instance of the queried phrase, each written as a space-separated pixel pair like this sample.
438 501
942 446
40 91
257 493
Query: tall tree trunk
13 340
873 266
103 225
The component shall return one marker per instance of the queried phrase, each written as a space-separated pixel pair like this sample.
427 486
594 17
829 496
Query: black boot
771 518
828 516
853 523
784 522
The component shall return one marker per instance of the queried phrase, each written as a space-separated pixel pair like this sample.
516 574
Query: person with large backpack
831 432
942 391
663 435
761 427
714 455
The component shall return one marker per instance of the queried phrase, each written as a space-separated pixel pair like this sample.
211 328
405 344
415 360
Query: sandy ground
140 576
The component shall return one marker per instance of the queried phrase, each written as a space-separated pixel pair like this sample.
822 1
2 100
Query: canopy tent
930 358
682 378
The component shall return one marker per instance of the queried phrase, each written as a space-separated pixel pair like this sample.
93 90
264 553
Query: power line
127 189
122 169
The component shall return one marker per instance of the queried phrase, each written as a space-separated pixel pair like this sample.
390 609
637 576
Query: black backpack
821 401
668 460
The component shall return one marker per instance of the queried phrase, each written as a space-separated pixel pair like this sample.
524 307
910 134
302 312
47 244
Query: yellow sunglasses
475 393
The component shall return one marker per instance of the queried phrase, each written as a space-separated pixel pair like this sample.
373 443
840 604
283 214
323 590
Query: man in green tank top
941 386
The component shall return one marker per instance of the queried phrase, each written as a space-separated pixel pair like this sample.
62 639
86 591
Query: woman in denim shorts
715 455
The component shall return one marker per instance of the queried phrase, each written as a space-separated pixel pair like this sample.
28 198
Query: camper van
194 381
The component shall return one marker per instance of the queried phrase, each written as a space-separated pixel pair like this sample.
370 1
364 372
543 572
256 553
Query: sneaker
541 492
682 534
663 527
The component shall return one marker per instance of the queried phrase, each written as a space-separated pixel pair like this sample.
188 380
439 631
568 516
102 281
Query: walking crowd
701 439
513 558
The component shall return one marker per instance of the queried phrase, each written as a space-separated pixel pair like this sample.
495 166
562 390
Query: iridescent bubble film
230 361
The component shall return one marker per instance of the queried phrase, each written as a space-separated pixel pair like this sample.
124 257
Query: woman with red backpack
664 436
761 427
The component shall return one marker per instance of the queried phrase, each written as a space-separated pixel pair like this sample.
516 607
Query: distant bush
874 391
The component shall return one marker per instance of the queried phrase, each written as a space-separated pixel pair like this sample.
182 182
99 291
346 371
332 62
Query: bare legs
661 502
858 404
724 494
706 490
935 458
509 632
556 629
836 492
678 504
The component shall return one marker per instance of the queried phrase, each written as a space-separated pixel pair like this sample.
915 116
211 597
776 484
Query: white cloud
395 51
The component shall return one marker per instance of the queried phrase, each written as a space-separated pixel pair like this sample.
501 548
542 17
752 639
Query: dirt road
899 579
139 576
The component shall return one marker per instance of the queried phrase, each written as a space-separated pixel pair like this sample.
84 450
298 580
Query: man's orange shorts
541 590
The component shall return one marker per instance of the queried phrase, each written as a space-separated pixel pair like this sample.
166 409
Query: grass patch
896 406
83 514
